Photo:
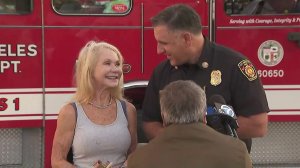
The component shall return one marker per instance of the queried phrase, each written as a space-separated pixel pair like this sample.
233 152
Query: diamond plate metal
281 146
21 148
32 141
10 146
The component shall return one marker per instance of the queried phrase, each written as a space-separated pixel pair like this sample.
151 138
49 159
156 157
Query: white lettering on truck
13 52
20 50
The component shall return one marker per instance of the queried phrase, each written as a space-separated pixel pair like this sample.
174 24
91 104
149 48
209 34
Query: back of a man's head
182 102
179 17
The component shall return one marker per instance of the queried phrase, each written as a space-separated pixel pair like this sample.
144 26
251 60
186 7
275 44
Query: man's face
172 44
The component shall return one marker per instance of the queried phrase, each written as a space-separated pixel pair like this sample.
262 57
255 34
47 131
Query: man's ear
204 119
163 119
187 37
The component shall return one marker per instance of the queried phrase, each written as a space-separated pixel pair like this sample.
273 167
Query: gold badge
215 77
248 69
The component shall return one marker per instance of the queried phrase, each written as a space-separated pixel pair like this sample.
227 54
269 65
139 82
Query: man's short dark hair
179 17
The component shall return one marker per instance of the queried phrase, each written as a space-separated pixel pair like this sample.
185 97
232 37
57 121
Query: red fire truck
40 40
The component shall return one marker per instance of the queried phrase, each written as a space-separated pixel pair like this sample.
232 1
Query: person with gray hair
182 102
186 140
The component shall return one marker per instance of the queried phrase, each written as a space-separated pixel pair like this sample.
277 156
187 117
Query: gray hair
182 102
179 17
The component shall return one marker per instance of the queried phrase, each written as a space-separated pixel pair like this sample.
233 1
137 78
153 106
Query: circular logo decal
126 68
270 53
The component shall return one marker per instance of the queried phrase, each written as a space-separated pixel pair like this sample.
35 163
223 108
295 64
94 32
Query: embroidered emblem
248 69
215 77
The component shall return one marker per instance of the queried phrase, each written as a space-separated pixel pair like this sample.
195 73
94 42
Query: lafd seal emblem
270 53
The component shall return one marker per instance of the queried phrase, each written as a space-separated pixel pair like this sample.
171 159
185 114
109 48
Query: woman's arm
63 137
132 126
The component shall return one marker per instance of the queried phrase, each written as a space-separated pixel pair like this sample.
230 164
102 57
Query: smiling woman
96 63
98 115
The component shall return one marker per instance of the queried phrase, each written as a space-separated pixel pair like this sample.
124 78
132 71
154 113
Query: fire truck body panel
38 51
253 35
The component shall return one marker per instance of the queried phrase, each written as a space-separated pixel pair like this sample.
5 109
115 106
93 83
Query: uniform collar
205 58
204 61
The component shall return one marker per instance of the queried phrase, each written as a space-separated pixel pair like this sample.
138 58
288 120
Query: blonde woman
96 126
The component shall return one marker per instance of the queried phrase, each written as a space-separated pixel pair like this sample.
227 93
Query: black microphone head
219 103
223 116
216 98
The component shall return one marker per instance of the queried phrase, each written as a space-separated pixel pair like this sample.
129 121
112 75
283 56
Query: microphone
221 117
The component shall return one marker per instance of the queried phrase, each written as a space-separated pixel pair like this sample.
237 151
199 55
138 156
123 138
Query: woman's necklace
102 106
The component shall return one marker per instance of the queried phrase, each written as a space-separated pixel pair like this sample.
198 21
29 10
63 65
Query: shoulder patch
248 70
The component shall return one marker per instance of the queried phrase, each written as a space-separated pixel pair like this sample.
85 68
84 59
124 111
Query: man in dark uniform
217 69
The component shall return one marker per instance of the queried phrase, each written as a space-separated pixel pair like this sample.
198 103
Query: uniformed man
217 69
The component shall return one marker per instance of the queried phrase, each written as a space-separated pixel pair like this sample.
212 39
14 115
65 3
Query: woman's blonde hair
85 67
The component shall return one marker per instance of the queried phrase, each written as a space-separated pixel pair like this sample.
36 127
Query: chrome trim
150 27
135 84
212 20
99 27
12 26
142 37
258 27
43 81
88 27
